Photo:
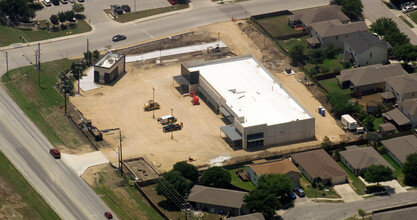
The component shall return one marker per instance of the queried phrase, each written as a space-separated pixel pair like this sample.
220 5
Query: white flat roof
250 91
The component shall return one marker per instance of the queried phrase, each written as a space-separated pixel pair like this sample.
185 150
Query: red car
173 2
55 153
108 215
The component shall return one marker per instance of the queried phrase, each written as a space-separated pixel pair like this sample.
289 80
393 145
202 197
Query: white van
47 2
167 119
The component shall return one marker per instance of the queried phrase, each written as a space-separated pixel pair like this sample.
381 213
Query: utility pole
172 132
88 56
79 65
7 66
65 98
121 153
38 61
218 39
153 101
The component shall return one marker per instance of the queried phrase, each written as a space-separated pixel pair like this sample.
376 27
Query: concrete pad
347 193
87 81
392 186
80 163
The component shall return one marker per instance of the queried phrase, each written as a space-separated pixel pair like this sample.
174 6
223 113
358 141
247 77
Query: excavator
151 105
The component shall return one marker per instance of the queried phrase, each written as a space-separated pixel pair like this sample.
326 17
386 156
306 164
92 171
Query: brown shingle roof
401 147
216 196
387 127
397 116
335 27
310 16
275 167
370 74
403 83
361 158
318 163
362 41
409 106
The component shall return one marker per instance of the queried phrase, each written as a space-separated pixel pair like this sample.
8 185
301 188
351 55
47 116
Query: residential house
409 108
318 164
358 159
253 216
400 147
402 87
398 118
366 49
286 167
216 200
307 17
335 32
370 78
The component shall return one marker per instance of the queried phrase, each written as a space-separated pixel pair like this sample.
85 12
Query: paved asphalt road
28 149
336 211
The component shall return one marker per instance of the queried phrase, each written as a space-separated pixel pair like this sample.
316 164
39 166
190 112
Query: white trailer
349 123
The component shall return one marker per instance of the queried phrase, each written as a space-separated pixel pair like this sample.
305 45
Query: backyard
354 181
277 26
311 192
332 86
237 182
11 35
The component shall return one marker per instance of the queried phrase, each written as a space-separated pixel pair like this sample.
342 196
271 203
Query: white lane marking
147 33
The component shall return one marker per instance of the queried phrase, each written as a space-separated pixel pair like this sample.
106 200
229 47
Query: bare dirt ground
11 203
121 106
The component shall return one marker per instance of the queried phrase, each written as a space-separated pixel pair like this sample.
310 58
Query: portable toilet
323 112
320 108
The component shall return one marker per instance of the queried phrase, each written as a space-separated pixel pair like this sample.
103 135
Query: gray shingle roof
335 27
318 163
404 83
310 16
401 147
409 106
371 74
361 158
397 116
216 196
362 41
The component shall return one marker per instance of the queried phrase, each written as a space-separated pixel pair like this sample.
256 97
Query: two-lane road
28 149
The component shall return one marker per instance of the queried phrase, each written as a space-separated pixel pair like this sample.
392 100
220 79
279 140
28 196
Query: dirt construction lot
121 106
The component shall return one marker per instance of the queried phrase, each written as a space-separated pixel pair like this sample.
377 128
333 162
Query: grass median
35 206
126 17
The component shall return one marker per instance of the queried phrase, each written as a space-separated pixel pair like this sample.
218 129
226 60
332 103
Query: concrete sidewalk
347 193
80 163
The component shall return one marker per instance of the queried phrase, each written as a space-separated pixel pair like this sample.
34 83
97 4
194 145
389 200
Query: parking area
94 8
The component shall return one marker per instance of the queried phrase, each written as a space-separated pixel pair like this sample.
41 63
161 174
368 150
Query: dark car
171 127
119 37
81 0
108 215
126 8
55 153
299 192
116 9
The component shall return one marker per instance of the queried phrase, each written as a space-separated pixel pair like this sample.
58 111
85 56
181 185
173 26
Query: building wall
253 177
213 93
370 87
393 157
379 55
289 132
411 117
216 209
102 71
337 41
349 166
339 180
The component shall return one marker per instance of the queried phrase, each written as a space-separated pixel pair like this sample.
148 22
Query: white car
46 3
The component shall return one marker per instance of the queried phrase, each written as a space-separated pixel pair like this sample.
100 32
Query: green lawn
44 106
277 26
11 35
332 86
236 181
36 207
287 44
357 184
126 17
377 122
399 175
315 192
413 16
331 64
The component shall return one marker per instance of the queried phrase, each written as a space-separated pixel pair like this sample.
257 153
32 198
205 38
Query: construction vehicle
195 100
167 119
151 105
171 127
98 136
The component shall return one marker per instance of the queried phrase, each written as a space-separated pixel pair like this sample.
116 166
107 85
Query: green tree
368 122
17 9
272 191
410 170
77 8
326 144
177 181
341 104
54 19
187 170
352 7
88 56
406 53
396 39
329 51
315 56
69 15
61 16
361 212
384 25
296 53
216 177
262 201
378 173
96 54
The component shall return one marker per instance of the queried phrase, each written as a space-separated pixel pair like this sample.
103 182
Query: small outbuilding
109 67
